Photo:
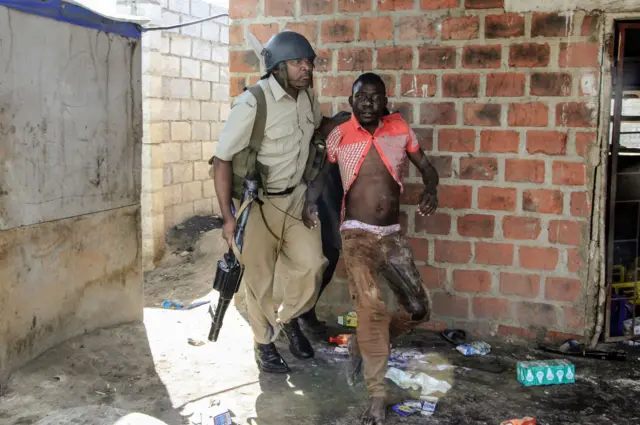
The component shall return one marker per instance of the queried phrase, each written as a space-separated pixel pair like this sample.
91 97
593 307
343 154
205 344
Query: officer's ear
351 101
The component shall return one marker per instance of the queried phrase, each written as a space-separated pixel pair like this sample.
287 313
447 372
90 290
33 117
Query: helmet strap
283 74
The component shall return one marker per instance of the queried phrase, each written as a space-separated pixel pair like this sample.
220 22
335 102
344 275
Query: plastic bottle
341 339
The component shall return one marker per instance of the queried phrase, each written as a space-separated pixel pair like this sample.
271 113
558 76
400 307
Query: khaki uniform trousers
298 255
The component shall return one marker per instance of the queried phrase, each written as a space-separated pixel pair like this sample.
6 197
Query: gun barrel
221 309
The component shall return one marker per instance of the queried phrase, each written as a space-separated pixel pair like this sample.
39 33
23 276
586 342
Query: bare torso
374 197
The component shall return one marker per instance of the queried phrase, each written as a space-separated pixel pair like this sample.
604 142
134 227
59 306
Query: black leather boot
298 343
309 321
269 360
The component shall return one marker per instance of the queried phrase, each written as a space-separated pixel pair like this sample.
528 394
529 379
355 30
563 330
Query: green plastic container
546 372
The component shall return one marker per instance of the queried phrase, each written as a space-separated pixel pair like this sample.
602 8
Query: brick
504 25
484 4
395 58
494 254
211 71
189 110
491 308
191 151
180 131
499 141
243 61
435 224
589 26
415 28
336 86
208 189
437 57
472 281
521 228
200 130
465 28
478 168
420 249
404 108
182 172
458 197
550 25
190 68
172 195
574 260
264 32
531 114
482 114
565 232
551 84
437 4
547 142
529 55
354 5
535 258
425 138
438 113
580 205
178 88
201 90
236 34
562 289
316 7
497 199
481 56
239 9
308 29
505 85
584 142
543 201
432 277
524 170
573 317
376 28
521 285
460 85
452 252
575 114
443 165
569 173
418 85
191 191
450 305
476 225
454 140
393 5
338 31
536 314
412 194
279 7
579 55
403 219
513 332
354 59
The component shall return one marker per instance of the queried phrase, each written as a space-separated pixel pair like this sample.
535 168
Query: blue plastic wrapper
476 348
426 407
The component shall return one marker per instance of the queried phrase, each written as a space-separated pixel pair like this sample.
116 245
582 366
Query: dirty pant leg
301 264
362 257
259 254
405 281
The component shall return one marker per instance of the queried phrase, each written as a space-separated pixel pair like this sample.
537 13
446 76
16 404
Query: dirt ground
156 372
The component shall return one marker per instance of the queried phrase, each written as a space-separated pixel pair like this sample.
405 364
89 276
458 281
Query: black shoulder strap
257 134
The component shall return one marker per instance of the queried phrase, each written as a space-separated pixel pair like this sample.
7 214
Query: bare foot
354 365
376 412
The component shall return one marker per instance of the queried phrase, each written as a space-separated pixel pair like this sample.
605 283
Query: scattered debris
400 358
350 319
546 372
341 339
417 381
195 342
176 305
572 347
476 348
426 407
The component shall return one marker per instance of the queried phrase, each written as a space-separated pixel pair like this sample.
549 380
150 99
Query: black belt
287 191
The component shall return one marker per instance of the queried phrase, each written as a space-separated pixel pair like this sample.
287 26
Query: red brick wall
497 99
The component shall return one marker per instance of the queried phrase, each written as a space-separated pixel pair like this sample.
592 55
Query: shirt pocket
277 140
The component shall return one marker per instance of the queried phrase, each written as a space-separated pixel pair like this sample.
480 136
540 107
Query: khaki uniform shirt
289 127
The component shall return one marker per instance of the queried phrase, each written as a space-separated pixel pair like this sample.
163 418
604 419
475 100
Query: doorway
622 226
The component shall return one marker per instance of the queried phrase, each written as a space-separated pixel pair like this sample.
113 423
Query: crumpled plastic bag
476 348
417 381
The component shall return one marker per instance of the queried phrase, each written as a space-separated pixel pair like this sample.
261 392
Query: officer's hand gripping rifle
230 267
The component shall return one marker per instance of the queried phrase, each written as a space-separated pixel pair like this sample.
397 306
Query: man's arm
430 178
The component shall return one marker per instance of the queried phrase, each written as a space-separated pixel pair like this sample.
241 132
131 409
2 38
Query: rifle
230 268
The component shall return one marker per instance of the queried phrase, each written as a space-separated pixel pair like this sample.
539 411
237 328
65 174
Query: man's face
368 103
300 73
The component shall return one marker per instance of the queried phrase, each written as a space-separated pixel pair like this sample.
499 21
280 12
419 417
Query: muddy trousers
298 256
368 256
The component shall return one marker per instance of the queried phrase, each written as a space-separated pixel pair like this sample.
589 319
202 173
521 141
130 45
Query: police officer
275 232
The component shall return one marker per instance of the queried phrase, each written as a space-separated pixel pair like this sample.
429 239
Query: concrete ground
157 372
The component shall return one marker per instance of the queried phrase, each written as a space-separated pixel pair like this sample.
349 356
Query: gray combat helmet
287 45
